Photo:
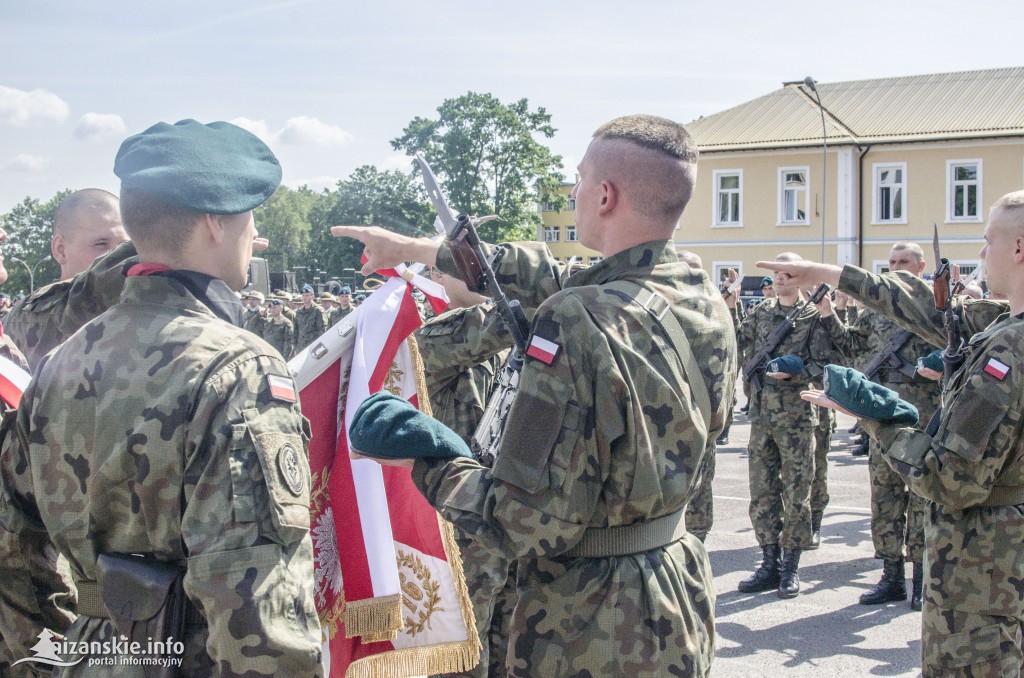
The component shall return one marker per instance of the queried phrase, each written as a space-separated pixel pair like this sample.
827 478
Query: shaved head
692 259
653 160
1012 208
87 224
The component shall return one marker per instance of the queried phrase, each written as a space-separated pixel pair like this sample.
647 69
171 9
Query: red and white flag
13 382
388 578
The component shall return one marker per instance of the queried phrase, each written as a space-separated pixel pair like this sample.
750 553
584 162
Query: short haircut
692 259
655 159
912 247
1013 205
788 256
151 222
65 217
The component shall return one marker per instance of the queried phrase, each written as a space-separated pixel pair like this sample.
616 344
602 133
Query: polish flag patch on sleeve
282 388
997 369
543 349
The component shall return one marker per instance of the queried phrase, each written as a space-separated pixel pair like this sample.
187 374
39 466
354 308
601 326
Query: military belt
624 540
90 603
1005 495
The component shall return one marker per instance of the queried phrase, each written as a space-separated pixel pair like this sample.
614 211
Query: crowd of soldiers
583 539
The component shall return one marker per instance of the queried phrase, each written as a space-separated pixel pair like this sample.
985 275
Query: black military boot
890 588
916 586
815 530
723 439
861 448
766 576
789 578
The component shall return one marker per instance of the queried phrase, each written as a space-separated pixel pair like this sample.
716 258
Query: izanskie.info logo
120 651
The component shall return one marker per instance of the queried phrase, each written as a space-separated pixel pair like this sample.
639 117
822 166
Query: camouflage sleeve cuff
851 280
445 261
427 475
885 434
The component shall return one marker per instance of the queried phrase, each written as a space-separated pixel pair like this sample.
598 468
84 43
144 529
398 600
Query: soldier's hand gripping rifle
889 358
754 368
477 271
942 289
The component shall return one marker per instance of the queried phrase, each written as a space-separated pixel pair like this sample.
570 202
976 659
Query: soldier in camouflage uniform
897 514
163 429
51 314
781 448
970 468
310 320
277 330
605 431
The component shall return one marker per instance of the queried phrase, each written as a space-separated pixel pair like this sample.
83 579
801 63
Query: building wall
761 236
560 222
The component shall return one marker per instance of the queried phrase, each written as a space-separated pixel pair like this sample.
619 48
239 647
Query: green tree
29 227
489 161
391 199
284 221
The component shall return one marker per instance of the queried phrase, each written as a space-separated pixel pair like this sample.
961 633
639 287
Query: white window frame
593 260
876 207
571 234
570 204
715 222
806 221
968 262
718 269
879 266
549 231
951 166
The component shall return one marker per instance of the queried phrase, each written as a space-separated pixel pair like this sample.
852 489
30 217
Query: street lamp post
810 83
31 279
32 273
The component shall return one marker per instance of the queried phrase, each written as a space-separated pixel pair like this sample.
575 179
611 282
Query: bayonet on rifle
942 290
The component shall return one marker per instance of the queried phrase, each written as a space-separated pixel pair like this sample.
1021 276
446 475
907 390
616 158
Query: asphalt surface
823 631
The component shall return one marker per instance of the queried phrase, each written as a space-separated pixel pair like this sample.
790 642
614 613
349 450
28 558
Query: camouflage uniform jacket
278 333
337 314
252 321
463 350
154 430
606 435
778 402
972 559
51 314
867 337
310 323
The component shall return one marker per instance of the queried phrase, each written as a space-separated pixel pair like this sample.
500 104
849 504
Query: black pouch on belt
146 602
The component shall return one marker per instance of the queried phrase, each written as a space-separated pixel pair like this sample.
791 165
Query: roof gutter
863 151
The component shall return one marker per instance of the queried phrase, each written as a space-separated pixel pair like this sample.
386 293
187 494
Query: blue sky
329 83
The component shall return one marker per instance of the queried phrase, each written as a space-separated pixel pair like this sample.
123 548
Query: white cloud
316 183
257 127
100 127
304 130
396 161
18 107
23 162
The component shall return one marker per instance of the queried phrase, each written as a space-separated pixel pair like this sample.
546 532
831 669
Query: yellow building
558 229
902 154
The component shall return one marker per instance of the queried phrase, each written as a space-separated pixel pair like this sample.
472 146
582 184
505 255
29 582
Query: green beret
766 281
389 427
932 361
865 398
787 364
218 168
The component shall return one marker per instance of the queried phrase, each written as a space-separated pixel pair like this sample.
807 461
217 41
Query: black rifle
754 367
890 359
942 290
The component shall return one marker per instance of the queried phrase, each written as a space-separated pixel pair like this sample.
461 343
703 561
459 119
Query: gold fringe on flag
377 618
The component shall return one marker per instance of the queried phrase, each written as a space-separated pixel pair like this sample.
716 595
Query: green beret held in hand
864 398
787 364
388 427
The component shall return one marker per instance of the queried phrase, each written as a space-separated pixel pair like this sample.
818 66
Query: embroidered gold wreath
414 595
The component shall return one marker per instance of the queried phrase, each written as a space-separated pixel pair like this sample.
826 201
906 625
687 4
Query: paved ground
823 631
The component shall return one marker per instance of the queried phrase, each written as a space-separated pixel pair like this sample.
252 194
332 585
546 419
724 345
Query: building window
594 260
891 193
963 190
720 271
572 204
793 192
728 197
570 234
551 234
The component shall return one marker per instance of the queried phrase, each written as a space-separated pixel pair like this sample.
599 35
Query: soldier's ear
58 250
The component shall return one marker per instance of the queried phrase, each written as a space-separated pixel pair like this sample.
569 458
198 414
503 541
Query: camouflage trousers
781 467
822 446
700 512
897 514
957 644
490 584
